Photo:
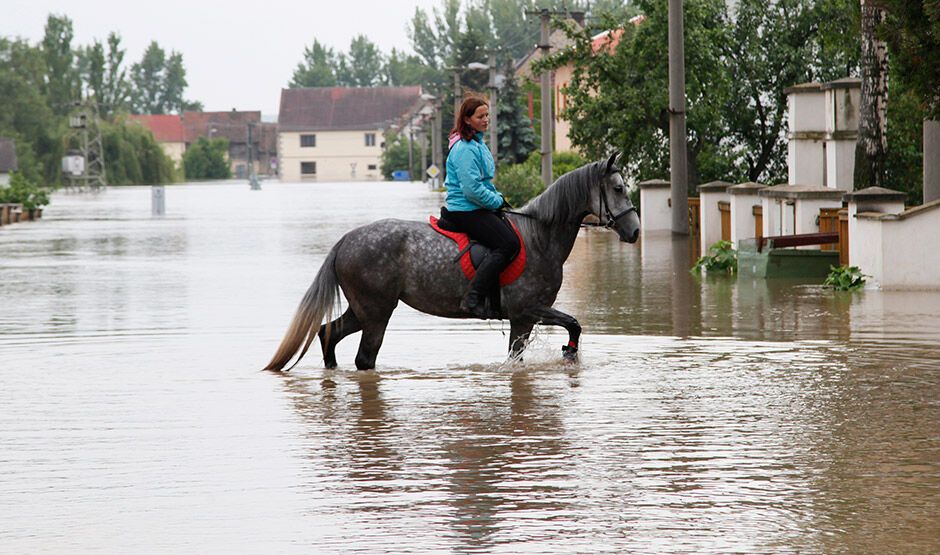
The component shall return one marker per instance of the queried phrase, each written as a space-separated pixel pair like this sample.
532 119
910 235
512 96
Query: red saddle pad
509 275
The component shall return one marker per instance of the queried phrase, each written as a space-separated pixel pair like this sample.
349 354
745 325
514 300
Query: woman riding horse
473 203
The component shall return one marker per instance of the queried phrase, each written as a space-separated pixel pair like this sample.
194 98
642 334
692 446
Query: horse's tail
319 302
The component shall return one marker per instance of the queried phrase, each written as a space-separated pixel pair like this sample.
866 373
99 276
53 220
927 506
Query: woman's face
480 120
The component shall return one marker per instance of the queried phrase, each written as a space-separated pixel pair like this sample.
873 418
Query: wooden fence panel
724 208
758 212
695 228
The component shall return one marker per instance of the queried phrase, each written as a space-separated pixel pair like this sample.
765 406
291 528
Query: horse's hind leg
341 327
373 332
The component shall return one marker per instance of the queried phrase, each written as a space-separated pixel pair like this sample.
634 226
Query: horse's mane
562 202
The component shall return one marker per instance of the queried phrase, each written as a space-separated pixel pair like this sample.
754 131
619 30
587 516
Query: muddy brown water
706 415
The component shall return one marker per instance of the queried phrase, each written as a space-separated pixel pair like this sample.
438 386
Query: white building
337 133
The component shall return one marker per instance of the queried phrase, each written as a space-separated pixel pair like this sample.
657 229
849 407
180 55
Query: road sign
434 171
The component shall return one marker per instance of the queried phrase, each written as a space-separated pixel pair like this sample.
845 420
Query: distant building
167 130
8 162
236 127
561 77
337 133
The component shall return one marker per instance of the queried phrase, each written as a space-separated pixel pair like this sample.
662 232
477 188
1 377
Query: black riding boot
485 280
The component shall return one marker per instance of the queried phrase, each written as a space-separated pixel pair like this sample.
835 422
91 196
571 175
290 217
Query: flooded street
707 415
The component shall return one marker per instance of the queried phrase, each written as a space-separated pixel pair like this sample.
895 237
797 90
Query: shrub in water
721 257
845 278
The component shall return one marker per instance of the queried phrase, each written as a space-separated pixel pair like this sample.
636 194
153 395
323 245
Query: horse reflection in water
378 264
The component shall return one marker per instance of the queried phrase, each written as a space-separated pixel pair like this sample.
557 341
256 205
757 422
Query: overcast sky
237 54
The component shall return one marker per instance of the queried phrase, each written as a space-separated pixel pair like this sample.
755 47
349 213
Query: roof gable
166 128
232 125
342 108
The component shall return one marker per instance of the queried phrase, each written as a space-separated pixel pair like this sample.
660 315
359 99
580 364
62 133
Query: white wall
335 153
742 217
655 212
710 216
897 251
4 179
806 162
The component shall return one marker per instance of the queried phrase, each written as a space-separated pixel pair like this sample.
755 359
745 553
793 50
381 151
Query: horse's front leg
552 317
519 330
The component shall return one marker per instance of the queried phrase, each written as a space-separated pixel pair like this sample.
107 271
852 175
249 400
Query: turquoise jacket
470 171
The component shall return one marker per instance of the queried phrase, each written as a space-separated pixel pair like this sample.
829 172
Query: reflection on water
708 415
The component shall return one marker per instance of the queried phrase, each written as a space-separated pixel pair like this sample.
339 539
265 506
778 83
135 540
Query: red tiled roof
231 125
165 128
8 162
339 108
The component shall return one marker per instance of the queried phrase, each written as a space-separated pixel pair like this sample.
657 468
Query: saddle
471 253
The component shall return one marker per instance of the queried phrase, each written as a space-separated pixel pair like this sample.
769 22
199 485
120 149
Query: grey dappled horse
387 261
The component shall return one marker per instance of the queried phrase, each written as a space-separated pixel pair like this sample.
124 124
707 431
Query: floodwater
706 415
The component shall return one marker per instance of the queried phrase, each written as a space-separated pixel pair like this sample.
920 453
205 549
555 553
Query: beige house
337 133
167 130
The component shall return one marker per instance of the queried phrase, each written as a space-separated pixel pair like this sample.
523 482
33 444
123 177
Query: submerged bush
721 257
845 278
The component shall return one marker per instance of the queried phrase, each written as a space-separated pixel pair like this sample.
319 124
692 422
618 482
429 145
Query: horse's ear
611 161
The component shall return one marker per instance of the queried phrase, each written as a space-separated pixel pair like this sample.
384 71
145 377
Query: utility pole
411 150
546 98
678 155
436 153
494 109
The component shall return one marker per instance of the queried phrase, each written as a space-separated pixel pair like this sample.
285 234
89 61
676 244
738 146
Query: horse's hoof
569 353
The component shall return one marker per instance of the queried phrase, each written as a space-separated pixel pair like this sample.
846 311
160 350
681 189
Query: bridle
604 208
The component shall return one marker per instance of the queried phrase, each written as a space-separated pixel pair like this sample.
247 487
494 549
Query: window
308 168
370 139
373 167
308 140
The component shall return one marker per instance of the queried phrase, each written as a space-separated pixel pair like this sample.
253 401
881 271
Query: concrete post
931 160
494 109
655 206
678 156
743 200
710 194
546 90
158 200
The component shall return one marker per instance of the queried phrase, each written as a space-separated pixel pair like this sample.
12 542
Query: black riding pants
489 228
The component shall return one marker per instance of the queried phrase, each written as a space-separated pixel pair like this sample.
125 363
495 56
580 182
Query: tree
737 66
132 156
403 69
207 159
517 138
147 77
318 69
159 82
395 156
872 144
365 63
912 32
62 83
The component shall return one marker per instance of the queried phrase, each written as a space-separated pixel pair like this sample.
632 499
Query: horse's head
611 204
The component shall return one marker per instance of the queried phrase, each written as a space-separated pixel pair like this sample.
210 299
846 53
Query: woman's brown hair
467 109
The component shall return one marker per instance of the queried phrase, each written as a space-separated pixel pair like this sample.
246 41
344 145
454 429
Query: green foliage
517 138
520 183
132 156
912 31
736 70
207 159
62 82
721 258
158 82
23 191
395 157
845 278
